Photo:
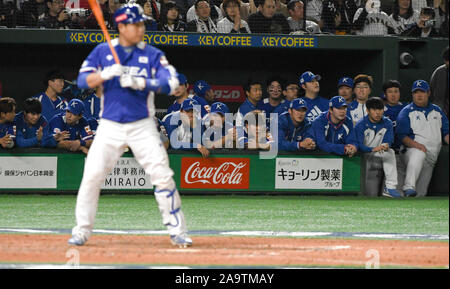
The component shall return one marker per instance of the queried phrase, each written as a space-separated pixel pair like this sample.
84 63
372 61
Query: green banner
220 173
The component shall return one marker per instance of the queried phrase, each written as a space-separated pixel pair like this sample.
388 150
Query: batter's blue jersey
26 135
316 107
126 105
289 136
79 131
371 135
92 107
51 108
332 138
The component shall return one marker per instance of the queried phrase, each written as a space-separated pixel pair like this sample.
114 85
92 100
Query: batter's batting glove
133 82
112 71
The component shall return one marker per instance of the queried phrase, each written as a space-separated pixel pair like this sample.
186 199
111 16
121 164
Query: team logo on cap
419 83
121 17
219 106
345 79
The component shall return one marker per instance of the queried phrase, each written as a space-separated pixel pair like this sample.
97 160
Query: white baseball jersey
376 23
425 125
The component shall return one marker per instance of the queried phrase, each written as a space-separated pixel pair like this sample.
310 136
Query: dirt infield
224 251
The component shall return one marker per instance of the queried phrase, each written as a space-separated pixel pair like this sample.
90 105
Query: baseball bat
101 22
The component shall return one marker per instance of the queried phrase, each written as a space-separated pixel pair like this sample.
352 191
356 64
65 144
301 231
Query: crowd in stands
415 18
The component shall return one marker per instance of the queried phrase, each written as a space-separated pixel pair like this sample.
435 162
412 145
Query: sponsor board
309 173
127 174
28 172
215 173
225 93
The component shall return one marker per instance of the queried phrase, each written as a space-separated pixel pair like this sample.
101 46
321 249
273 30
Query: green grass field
235 213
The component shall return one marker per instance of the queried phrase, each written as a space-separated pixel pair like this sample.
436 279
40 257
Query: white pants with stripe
110 141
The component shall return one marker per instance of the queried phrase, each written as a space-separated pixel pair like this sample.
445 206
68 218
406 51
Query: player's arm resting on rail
322 143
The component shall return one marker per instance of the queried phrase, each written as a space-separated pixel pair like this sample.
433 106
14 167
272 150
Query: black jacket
275 25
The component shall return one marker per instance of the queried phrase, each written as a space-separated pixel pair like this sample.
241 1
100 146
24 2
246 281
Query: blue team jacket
26 135
184 136
331 137
80 131
367 130
289 136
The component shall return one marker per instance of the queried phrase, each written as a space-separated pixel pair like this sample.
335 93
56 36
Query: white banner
28 172
308 173
127 174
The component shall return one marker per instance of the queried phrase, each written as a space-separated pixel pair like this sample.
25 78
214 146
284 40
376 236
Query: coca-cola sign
215 173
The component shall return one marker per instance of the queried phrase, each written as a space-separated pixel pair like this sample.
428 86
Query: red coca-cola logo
215 173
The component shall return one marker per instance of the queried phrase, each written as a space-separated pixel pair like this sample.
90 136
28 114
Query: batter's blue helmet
130 13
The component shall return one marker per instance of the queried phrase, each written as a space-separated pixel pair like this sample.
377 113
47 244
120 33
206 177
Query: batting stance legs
110 141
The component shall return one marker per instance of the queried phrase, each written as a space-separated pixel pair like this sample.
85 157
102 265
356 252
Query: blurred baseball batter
127 120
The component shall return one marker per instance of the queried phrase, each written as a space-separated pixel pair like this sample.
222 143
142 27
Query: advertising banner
215 173
309 173
127 174
28 172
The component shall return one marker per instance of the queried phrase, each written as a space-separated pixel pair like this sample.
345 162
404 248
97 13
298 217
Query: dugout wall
38 170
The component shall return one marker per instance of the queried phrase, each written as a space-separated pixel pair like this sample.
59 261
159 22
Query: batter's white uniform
127 120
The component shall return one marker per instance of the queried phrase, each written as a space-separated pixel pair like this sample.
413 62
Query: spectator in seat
170 20
202 22
296 21
267 21
232 22
424 27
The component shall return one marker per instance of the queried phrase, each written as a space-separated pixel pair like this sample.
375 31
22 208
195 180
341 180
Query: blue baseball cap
298 103
420 85
337 101
75 106
201 87
347 81
219 107
308 76
182 78
129 14
188 104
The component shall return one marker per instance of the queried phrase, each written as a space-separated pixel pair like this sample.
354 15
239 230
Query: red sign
226 93
215 173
